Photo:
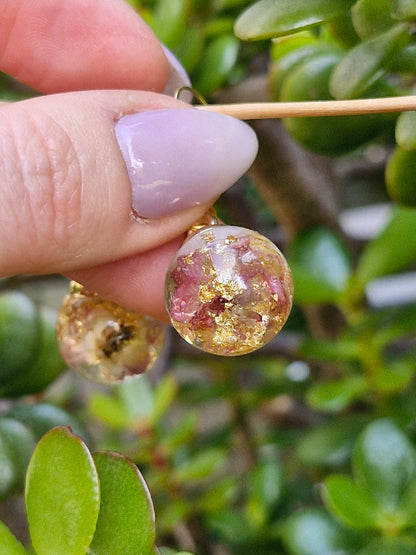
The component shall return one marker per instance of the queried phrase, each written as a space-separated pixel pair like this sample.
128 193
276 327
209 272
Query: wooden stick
273 110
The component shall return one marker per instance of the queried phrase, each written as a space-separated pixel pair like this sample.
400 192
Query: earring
229 290
104 342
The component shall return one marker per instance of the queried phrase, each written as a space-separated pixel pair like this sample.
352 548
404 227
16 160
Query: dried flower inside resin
229 290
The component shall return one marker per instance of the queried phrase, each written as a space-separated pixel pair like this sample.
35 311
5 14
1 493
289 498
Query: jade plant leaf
8 543
164 396
137 397
403 9
19 334
17 439
41 417
352 504
371 17
336 395
386 546
329 444
272 18
170 21
62 495
217 62
315 532
199 466
44 367
389 252
320 266
384 463
126 522
365 63
406 130
266 483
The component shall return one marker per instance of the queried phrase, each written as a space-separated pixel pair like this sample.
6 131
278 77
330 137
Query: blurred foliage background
308 446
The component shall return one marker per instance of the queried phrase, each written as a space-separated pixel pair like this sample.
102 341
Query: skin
64 187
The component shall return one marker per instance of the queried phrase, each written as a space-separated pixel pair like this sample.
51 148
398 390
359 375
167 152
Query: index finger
56 46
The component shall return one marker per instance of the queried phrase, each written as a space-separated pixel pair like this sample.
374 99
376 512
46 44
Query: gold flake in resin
104 342
228 290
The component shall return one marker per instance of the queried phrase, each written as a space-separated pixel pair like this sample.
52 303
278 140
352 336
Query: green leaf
200 466
331 351
400 177
384 463
8 543
403 9
265 491
41 417
371 17
190 48
137 397
266 482
170 20
109 410
289 61
164 395
395 377
232 526
330 135
335 396
329 444
216 64
19 333
219 495
384 546
171 514
342 31
62 495
352 504
315 532
389 252
405 62
406 130
126 522
46 366
182 433
408 504
9 468
320 266
20 442
367 62
272 18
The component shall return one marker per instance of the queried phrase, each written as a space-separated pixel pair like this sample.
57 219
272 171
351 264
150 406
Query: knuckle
41 174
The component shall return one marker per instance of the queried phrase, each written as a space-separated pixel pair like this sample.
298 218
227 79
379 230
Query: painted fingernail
183 157
177 77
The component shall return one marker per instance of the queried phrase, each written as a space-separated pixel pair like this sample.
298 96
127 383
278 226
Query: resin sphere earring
104 342
228 290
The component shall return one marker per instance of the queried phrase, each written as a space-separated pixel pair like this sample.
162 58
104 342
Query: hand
71 170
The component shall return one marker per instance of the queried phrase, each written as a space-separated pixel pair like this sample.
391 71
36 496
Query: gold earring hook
194 93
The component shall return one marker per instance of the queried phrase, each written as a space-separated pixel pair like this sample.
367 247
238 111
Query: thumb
71 171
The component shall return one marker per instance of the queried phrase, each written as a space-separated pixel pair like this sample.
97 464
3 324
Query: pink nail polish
180 158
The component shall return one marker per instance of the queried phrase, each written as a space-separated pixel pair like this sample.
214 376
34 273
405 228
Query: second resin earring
229 290
104 342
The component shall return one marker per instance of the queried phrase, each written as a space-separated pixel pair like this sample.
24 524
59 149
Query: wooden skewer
275 110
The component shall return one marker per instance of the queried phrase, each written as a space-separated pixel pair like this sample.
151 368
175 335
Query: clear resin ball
104 342
229 290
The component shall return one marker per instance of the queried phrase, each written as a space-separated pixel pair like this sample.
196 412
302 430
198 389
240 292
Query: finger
67 190
62 46
136 283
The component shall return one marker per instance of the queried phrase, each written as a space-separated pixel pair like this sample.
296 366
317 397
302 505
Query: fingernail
183 157
177 77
